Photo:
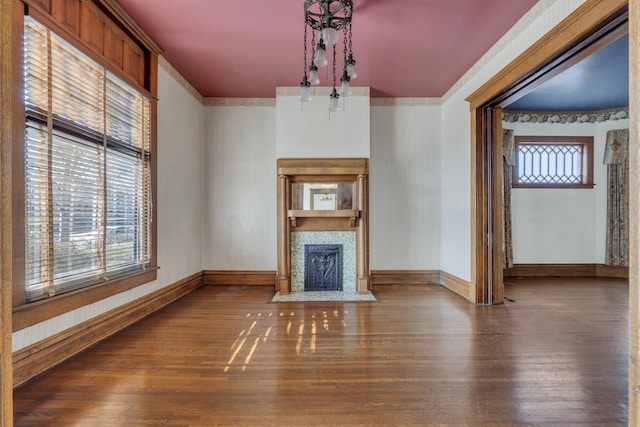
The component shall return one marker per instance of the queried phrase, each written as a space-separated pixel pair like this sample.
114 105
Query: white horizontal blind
88 188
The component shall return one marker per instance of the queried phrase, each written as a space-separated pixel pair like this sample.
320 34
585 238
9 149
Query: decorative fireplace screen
323 267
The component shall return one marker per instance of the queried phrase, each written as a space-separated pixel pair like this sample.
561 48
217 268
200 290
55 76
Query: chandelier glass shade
324 21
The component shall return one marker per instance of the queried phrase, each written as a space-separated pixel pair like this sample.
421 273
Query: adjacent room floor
555 355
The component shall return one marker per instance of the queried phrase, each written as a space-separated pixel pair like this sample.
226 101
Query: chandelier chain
313 44
304 60
334 67
345 48
350 51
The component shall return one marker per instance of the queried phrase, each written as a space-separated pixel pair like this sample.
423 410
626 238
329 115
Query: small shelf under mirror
342 213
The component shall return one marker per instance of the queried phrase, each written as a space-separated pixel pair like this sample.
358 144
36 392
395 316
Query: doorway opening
599 24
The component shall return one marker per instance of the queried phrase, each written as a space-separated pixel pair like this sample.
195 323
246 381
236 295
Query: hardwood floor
558 355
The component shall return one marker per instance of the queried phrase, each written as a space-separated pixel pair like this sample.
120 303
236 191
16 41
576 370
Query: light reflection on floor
256 332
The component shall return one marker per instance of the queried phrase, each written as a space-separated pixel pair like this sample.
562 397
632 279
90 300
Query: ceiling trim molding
271 102
567 117
130 24
166 66
319 91
240 102
406 102
510 36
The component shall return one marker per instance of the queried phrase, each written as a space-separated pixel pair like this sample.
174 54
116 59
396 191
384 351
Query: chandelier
325 19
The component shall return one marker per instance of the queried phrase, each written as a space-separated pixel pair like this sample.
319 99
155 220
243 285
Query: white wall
179 204
240 186
455 156
244 141
405 187
563 225
308 130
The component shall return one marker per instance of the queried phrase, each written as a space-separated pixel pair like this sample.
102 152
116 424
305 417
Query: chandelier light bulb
334 106
351 71
345 87
305 96
351 67
321 57
313 75
330 36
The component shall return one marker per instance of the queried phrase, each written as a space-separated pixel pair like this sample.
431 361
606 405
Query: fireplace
322 206
300 240
322 268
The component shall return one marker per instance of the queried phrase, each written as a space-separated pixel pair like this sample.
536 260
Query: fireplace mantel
340 190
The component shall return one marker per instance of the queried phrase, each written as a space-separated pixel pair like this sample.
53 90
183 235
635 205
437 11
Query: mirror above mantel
323 200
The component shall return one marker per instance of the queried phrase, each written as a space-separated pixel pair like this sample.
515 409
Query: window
553 162
88 171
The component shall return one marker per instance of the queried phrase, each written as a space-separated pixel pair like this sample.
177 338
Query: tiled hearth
345 238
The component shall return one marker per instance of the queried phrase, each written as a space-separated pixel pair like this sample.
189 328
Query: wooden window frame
143 78
585 141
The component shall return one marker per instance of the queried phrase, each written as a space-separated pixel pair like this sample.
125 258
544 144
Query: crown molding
406 102
520 26
113 7
319 91
165 65
566 117
239 102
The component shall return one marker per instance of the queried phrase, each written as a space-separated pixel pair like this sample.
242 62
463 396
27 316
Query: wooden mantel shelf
341 213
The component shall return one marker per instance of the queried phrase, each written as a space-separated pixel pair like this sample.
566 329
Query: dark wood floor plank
558 355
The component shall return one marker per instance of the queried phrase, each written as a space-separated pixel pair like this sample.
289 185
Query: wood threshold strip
35 359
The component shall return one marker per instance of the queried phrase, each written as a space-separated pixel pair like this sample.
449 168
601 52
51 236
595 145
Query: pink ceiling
403 48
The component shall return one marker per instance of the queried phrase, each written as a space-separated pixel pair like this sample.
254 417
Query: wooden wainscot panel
134 62
115 46
35 359
92 29
67 13
43 5
237 277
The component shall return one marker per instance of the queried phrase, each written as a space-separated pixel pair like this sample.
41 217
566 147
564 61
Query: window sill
556 186
26 315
